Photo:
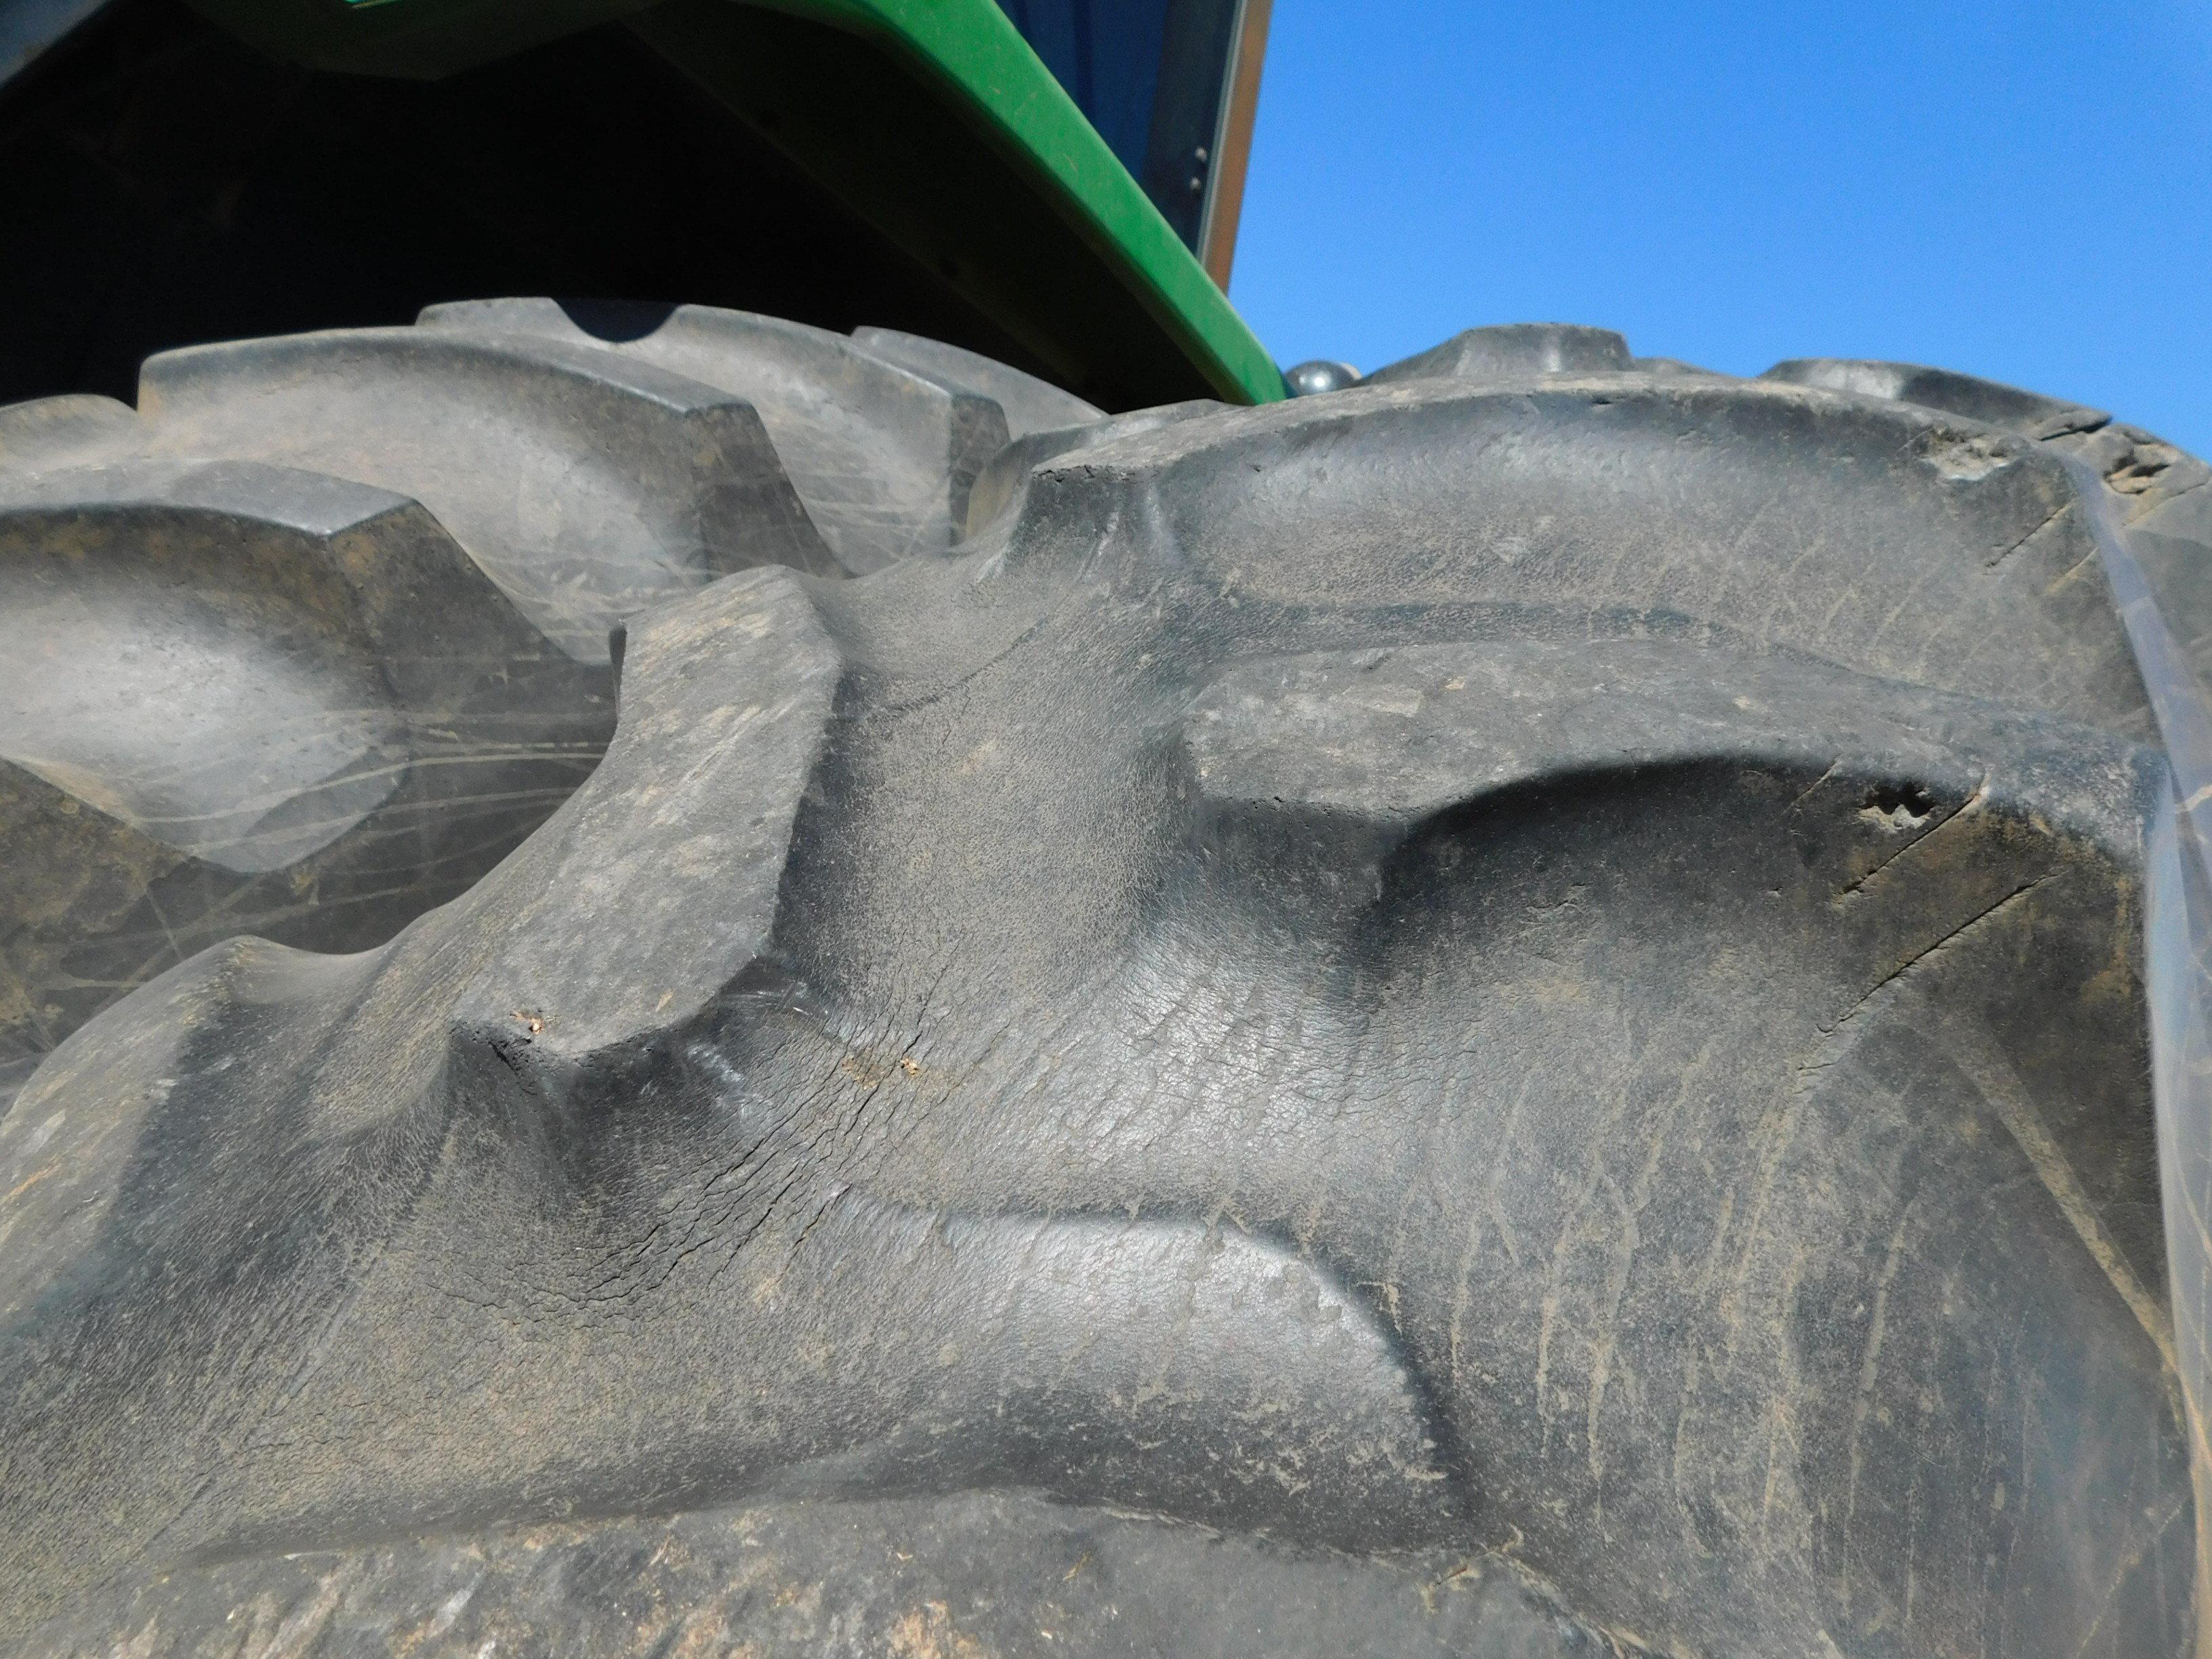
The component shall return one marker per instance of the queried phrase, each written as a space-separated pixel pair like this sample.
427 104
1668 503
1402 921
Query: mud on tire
311 638
1499 1011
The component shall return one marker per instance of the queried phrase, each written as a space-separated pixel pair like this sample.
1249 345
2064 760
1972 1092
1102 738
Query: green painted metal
967 51
975 51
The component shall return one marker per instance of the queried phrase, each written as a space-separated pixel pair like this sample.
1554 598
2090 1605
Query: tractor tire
1499 1011
311 640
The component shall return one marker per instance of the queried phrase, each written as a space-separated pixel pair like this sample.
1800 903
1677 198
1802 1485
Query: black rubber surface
1499 1011
309 642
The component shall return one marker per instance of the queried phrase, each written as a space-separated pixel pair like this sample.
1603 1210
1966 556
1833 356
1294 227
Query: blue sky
2022 190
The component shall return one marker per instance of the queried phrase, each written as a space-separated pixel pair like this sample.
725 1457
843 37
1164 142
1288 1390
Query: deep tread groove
642 483
379 573
880 455
1529 974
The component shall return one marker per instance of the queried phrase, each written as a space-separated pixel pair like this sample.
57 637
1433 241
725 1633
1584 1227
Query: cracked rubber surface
309 642
1500 1012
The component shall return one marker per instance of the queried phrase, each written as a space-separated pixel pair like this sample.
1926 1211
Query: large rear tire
1498 1012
